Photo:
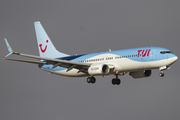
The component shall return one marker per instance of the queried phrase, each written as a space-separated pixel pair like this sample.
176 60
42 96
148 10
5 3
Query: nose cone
175 59
172 60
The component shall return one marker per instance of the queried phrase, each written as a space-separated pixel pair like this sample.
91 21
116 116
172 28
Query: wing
27 61
82 67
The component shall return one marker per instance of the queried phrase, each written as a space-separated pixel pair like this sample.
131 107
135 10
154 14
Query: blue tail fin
45 46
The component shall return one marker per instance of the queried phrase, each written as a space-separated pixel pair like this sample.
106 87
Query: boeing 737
138 62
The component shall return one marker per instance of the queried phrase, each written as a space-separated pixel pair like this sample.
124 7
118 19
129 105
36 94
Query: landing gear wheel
91 80
116 81
161 74
113 81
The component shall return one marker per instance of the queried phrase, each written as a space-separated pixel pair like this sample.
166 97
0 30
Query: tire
118 81
93 80
161 74
114 81
89 80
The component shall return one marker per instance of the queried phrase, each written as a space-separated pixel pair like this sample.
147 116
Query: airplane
138 62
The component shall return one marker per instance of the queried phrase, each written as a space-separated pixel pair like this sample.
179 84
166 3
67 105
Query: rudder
45 46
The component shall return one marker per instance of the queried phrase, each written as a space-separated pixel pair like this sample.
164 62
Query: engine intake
98 69
140 74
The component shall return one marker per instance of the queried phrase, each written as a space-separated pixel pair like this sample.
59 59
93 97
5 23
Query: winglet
8 47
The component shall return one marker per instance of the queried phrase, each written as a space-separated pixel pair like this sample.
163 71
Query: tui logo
144 52
40 45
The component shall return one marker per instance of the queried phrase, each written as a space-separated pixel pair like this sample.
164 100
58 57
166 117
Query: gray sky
85 26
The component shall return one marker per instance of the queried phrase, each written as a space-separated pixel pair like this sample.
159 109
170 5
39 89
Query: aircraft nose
176 58
173 59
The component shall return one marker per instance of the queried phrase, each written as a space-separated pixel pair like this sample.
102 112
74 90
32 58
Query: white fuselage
119 64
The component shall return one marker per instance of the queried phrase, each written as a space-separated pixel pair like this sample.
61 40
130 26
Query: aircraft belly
123 65
71 73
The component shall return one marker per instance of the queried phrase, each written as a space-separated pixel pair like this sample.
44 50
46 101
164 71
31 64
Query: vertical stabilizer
45 46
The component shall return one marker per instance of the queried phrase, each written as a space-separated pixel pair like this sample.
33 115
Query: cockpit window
164 52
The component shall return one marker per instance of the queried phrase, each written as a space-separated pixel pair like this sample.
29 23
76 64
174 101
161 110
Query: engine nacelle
140 74
98 69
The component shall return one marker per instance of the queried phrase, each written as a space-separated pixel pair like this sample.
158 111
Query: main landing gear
116 81
91 80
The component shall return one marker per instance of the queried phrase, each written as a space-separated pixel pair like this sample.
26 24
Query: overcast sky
85 26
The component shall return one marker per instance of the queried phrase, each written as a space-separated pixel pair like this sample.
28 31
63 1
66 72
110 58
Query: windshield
164 52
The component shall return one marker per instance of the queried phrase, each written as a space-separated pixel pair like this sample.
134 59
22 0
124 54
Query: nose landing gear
161 74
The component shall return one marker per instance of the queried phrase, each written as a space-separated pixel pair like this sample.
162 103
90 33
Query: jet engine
98 69
140 74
